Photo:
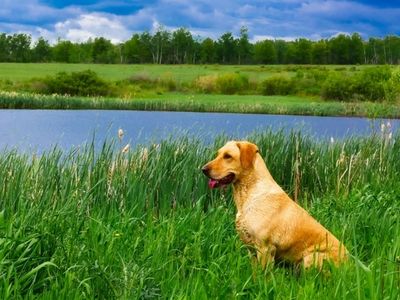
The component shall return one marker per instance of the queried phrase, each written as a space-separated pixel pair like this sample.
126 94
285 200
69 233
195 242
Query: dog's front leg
266 255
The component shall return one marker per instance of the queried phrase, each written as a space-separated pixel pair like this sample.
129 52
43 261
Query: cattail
120 134
126 148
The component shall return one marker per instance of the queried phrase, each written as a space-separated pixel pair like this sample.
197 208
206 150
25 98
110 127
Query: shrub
142 79
206 84
370 83
338 87
309 82
232 83
84 83
392 86
277 85
167 81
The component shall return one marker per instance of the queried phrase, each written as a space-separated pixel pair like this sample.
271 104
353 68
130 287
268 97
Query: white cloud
93 25
257 38
278 19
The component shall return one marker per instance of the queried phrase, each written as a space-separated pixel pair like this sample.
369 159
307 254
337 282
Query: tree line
181 47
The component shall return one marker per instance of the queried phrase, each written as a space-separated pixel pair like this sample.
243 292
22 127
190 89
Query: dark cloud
118 19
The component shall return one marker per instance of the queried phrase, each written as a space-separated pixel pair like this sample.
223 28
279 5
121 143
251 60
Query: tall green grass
89 223
288 105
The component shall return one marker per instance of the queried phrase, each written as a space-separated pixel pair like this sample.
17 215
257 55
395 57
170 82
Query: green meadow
24 71
370 91
103 224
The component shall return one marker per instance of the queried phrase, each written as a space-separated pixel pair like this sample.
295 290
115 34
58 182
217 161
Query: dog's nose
205 170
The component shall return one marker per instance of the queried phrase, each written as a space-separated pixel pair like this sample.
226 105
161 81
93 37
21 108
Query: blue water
40 130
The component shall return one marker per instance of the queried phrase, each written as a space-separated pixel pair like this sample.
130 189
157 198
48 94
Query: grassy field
292 89
142 225
182 73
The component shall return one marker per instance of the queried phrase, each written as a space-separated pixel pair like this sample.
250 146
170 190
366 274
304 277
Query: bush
206 84
392 86
277 85
338 87
167 81
228 83
84 83
232 83
370 83
142 79
309 82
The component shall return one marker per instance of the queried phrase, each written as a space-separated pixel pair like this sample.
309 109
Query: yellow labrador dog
267 219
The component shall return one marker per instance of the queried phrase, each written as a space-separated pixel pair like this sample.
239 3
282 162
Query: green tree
356 49
159 44
281 51
20 50
63 52
5 47
104 51
303 51
265 52
131 50
392 44
227 48
244 47
291 53
41 52
339 48
182 45
208 51
320 52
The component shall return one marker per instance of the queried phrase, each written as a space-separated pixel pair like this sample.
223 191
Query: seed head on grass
126 148
120 134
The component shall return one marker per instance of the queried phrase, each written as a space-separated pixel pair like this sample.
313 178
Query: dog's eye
227 156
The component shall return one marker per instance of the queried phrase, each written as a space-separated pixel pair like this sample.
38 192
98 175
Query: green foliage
265 52
232 83
343 83
338 86
392 87
89 224
42 51
277 85
370 83
84 83
206 84
103 51
180 47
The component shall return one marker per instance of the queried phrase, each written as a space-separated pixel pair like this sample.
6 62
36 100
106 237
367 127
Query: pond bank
282 105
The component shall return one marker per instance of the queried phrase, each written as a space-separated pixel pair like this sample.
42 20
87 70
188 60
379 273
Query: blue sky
117 20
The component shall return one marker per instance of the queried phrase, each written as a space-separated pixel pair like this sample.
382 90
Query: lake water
40 130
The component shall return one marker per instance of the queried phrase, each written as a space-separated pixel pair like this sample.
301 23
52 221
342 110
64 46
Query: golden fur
267 219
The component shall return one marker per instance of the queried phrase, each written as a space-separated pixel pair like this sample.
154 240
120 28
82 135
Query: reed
104 223
285 105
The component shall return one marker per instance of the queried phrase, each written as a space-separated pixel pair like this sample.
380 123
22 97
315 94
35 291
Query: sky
79 20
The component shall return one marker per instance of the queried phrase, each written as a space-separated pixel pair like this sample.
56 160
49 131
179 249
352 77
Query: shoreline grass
284 105
86 225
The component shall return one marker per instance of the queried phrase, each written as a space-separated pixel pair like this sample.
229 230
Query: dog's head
233 160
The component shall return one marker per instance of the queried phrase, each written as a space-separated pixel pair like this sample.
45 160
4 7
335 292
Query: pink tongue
212 183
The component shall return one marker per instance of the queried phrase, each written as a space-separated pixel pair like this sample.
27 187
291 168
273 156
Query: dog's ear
248 153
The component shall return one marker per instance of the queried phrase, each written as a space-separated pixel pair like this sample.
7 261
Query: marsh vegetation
141 223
